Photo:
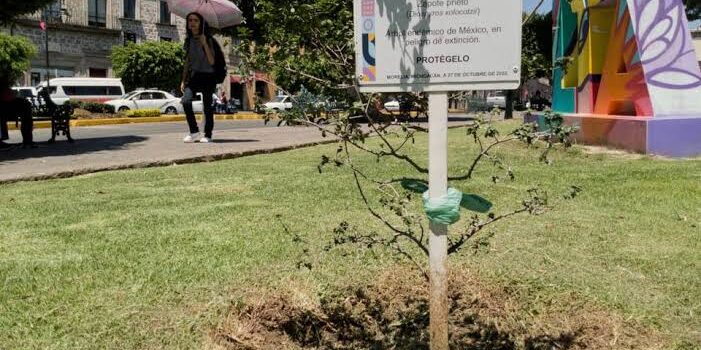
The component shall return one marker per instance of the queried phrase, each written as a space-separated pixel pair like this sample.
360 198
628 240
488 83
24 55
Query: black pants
202 83
17 110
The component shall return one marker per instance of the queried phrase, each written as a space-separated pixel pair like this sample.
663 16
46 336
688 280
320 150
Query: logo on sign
368 40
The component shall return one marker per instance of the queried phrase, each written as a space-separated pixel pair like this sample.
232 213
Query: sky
528 5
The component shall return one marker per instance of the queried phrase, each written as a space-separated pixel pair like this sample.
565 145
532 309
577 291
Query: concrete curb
45 124
165 163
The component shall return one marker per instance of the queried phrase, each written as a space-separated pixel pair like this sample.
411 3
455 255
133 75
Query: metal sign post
45 28
437 46
438 240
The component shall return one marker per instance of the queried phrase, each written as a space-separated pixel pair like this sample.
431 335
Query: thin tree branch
483 153
379 217
454 247
533 12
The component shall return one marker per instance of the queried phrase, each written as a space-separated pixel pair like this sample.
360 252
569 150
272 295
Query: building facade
81 34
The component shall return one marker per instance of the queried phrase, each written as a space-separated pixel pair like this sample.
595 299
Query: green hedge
143 113
93 107
15 55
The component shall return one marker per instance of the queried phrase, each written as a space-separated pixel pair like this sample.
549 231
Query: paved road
124 146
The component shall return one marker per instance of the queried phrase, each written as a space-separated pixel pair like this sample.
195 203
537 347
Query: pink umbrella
217 13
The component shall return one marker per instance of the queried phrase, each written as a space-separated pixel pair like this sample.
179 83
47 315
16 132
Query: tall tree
693 9
152 64
302 42
10 10
15 56
536 48
536 52
250 27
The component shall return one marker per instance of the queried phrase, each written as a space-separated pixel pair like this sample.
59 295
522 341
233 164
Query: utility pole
50 15
45 28
48 66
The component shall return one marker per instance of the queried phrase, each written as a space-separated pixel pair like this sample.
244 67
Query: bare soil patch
392 313
594 150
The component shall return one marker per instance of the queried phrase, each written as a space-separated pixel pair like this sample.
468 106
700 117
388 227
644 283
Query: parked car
279 103
142 99
84 89
28 92
401 103
497 99
176 107
392 105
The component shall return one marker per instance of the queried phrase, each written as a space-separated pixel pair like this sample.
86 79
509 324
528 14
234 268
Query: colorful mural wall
625 57
632 58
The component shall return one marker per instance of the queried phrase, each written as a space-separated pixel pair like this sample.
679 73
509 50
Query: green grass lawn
150 258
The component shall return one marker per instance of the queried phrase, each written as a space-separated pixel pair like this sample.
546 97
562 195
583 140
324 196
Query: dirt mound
393 314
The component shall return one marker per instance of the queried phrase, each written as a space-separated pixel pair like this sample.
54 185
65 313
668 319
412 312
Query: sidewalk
101 148
112 147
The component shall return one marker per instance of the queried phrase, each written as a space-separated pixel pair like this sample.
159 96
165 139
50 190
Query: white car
142 99
392 105
496 99
176 106
280 103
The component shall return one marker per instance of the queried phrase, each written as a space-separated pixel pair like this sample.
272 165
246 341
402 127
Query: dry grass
392 313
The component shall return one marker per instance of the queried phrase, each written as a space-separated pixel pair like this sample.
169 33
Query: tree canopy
15 56
303 43
151 64
537 43
693 9
11 9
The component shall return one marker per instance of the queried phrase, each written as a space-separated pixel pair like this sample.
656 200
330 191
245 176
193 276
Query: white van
85 89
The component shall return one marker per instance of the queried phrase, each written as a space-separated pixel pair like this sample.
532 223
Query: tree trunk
509 108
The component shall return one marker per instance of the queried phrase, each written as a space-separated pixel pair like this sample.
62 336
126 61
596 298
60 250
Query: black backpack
220 71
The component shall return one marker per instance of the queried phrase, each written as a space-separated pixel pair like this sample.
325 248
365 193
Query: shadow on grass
362 321
364 318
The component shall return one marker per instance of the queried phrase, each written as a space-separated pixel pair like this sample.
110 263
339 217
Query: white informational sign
438 45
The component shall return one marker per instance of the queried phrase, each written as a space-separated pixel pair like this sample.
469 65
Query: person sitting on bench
17 109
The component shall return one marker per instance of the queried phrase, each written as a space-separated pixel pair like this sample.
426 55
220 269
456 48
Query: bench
60 115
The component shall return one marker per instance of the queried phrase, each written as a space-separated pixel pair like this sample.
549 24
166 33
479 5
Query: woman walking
203 66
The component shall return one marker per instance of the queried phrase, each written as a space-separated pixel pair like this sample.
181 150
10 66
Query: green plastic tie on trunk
443 210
